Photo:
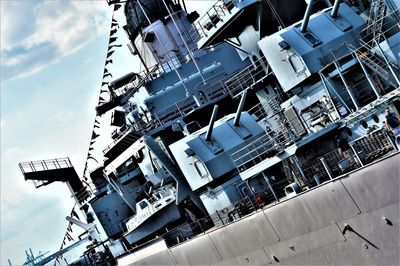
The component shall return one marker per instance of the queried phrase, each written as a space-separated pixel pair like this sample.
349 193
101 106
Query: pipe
122 81
335 8
306 18
240 108
79 223
211 125
30 250
163 47
184 42
326 167
266 178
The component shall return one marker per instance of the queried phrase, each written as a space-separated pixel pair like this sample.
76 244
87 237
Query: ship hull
309 229
159 220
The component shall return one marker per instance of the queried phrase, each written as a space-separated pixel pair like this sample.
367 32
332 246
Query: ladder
376 16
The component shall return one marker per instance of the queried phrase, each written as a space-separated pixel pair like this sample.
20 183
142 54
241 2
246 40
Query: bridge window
143 205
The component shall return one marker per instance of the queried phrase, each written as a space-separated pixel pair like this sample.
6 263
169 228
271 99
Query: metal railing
84 194
180 108
223 217
122 135
263 199
259 112
170 113
368 148
44 165
212 17
247 77
373 145
262 148
277 139
366 39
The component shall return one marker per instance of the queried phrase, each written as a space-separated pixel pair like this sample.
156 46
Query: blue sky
52 59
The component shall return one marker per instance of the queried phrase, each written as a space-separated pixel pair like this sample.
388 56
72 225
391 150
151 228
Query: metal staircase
127 138
375 63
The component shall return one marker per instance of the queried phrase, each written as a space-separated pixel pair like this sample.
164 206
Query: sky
52 60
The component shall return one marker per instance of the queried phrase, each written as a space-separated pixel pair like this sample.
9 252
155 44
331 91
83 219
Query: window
364 124
200 168
375 118
143 204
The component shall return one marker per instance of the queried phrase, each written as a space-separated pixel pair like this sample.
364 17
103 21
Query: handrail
247 77
121 136
369 147
364 44
44 165
180 108
272 142
239 210
215 14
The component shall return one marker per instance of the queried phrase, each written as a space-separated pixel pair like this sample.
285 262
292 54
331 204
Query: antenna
163 47
184 42
211 124
306 18
240 108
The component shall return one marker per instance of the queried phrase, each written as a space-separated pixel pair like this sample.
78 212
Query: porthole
375 118
364 124
289 190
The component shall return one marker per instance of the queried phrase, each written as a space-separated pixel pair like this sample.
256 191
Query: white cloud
36 34
64 117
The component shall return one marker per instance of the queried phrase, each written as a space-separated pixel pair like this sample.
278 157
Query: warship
262 132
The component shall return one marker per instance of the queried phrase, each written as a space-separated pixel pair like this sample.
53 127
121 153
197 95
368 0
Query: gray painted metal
161 258
371 221
314 257
257 257
305 243
307 229
354 252
244 236
199 251
376 186
326 204
312 210
287 219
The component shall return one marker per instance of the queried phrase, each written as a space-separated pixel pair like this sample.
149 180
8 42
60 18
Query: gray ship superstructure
225 146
